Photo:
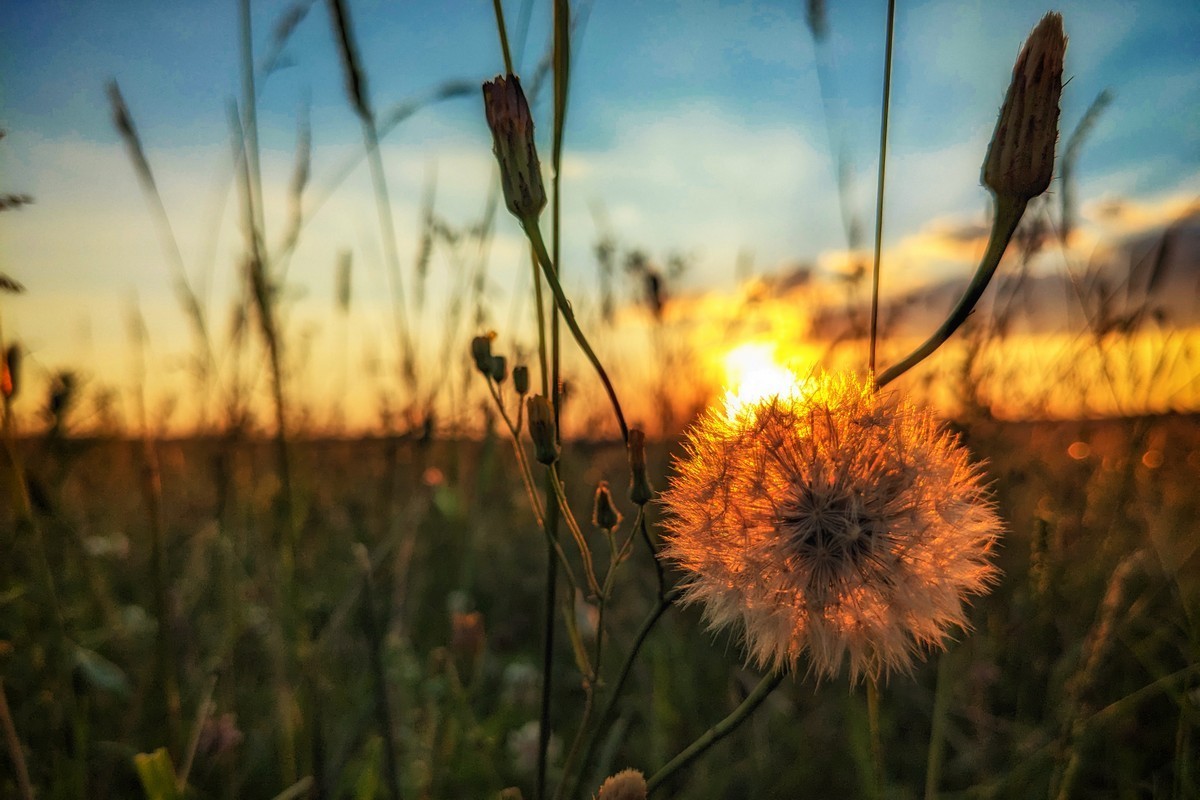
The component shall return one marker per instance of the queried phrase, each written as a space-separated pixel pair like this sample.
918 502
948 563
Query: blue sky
698 126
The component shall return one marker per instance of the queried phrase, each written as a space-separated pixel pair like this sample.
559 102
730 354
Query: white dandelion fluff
838 522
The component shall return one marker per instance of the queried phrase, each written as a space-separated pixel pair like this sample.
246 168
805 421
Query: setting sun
754 372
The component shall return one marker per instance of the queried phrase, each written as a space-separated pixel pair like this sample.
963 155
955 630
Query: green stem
584 551
937 733
1007 216
665 601
719 731
564 305
876 739
883 132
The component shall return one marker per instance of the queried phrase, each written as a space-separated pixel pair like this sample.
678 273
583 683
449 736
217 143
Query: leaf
157 774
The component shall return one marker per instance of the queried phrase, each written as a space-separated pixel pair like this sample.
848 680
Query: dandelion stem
719 731
876 739
1008 214
937 734
883 133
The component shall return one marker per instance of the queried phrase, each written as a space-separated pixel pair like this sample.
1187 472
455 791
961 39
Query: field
404 539
1075 681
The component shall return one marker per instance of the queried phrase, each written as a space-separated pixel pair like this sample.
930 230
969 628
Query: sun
753 373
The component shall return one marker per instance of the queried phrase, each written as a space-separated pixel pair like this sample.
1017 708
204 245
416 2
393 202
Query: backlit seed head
508 117
1020 158
541 428
837 523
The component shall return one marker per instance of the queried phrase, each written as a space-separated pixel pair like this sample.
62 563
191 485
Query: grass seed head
839 522
1020 158
511 123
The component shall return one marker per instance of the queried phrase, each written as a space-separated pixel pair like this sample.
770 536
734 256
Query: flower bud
512 141
1020 158
605 515
521 379
481 351
640 491
499 369
541 428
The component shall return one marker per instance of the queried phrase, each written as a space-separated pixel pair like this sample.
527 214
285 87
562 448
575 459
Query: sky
699 128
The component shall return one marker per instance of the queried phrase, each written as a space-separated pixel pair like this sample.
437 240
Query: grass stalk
15 751
373 629
883 135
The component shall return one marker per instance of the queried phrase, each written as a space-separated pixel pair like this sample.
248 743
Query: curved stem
719 731
1008 215
883 132
665 601
564 305
584 551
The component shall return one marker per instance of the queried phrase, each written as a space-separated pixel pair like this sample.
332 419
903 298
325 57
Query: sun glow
754 372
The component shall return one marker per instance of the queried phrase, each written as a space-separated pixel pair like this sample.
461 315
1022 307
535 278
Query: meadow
493 592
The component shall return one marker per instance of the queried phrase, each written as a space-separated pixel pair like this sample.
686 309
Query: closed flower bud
541 429
481 351
640 491
521 379
499 369
1020 158
512 141
604 514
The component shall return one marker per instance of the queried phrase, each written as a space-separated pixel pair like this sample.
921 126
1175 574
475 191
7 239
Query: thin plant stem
564 305
373 629
551 529
937 732
502 30
15 752
876 738
883 135
1007 217
719 731
573 526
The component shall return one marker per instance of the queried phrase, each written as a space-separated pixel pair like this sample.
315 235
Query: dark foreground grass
1081 678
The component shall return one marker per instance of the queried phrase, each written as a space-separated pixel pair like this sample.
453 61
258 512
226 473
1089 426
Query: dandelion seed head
834 522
